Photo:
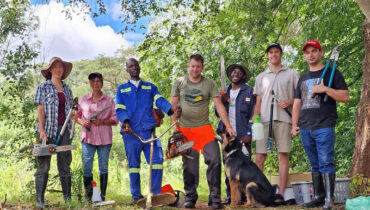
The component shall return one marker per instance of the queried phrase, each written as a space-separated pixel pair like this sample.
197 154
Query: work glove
158 115
126 127
224 97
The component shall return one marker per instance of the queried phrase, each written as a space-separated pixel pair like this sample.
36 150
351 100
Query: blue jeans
88 152
319 147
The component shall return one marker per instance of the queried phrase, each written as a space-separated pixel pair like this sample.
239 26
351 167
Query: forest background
238 30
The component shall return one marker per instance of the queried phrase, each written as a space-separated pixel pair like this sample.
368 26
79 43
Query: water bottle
257 129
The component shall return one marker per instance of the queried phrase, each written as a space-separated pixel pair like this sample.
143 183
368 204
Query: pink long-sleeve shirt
87 107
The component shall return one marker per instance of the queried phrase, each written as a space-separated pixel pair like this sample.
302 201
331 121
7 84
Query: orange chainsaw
178 144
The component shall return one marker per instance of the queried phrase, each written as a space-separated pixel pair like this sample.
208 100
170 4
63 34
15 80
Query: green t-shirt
194 100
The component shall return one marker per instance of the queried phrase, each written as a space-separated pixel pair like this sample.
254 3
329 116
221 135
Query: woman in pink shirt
96 134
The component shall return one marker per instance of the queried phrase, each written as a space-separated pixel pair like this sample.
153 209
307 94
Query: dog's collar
230 153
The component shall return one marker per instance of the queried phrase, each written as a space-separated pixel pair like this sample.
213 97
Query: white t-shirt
135 83
232 117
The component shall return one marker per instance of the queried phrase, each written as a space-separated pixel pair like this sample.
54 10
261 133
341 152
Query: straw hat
67 67
247 74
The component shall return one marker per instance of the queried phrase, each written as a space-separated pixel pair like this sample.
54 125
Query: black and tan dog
245 176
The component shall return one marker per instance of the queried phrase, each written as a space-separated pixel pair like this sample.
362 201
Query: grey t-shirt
194 100
283 83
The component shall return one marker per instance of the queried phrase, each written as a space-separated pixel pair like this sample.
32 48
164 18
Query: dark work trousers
64 159
212 158
248 146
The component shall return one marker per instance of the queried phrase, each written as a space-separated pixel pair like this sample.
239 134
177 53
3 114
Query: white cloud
74 39
116 11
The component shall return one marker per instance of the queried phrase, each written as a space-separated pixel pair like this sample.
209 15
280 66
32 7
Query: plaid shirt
47 95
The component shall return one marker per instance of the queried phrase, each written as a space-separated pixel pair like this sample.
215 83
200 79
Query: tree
361 154
17 52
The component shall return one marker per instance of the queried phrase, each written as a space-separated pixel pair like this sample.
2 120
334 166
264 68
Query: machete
223 75
96 116
223 78
269 139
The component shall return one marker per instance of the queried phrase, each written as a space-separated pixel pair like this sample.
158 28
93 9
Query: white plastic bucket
302 192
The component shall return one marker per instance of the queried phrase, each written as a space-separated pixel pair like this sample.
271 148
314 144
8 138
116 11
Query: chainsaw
178 144
44 149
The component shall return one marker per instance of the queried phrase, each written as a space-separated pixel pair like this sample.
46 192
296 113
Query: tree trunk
361 154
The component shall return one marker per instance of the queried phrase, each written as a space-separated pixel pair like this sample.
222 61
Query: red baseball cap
312 43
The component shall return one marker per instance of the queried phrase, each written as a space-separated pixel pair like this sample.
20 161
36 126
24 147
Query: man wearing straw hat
54 100
239 104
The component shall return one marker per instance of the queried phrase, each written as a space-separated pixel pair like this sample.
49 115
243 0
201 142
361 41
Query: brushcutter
152 201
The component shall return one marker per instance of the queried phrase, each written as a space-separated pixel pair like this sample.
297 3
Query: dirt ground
205 206
199 205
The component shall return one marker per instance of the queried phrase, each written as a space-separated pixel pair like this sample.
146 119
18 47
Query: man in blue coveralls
134 108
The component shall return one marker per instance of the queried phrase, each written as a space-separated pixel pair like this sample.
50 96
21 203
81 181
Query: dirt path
199 205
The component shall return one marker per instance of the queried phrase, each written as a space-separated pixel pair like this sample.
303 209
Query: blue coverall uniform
136 105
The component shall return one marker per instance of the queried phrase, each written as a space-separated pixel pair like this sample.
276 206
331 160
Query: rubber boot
41 182
65 181
209 200
88 188
318 191
103 185
329 191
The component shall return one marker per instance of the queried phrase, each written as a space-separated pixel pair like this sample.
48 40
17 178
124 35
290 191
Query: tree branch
356 79
286 19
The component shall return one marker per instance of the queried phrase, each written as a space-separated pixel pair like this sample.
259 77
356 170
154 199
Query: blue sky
110 18
83 37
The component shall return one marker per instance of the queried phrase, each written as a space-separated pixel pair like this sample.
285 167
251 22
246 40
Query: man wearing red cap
317 121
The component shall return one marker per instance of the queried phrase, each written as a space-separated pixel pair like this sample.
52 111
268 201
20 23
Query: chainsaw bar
50 149
185 146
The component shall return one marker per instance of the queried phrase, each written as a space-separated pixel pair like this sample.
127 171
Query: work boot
88 188
103 185
318 191
329 191
65 181
41 182
189 204
217 205
134 201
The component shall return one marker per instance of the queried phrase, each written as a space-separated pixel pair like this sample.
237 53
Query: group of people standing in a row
192 92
